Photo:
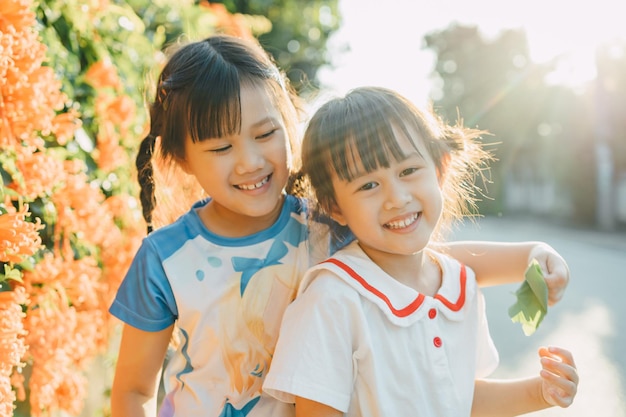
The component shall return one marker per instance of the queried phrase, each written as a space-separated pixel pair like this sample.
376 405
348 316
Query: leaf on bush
532 300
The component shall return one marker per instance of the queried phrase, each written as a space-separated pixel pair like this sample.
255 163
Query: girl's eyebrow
269 119
412 154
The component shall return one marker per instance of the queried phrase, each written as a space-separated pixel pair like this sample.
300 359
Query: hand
554 268
559 378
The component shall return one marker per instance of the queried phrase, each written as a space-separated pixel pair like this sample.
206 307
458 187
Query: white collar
402 304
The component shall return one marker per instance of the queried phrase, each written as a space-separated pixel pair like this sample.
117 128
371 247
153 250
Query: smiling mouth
249 187
401 224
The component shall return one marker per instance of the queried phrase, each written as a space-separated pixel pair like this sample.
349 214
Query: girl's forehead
409 140
258 103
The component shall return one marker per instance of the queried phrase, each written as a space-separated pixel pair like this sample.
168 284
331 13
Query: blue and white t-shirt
227 297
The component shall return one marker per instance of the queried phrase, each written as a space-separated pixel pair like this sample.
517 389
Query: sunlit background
545 78
385 39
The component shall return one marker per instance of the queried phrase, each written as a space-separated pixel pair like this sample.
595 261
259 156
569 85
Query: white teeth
402 223
254 186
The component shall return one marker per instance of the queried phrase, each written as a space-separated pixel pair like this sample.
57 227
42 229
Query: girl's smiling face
243 173
391 210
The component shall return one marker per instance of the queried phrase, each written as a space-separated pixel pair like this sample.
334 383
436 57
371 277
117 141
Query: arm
498 263
556 385
309 408
138 370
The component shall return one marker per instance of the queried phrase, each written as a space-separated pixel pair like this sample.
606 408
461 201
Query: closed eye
267 134
221 150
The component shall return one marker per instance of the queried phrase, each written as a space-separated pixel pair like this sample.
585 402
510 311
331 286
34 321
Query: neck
227 223
419 271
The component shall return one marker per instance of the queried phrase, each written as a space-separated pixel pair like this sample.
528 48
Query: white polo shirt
361 342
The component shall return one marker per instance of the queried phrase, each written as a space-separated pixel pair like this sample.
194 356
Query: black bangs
363 138
214 104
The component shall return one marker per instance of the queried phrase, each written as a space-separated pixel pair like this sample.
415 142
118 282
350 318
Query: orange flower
118 252
119 110
12 347
110 155
40 172
79 210
18 238
7 397
65 299
97 6
56 385
232 24
29 92
79 279
64 125
103 74
16 13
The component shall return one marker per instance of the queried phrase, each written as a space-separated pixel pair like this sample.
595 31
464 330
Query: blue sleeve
144 299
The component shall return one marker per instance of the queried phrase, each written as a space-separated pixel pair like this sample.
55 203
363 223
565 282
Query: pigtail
464 169
145 177
298 185
143 161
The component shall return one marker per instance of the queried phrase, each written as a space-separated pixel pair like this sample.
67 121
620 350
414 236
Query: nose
249 158
397 196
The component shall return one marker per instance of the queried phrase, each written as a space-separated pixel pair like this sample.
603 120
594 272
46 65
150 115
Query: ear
337 216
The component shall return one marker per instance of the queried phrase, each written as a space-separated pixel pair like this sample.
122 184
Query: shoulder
164 242
325 295
185 227
327 305
325 286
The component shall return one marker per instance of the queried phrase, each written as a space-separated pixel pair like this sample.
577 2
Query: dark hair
198 94
360 127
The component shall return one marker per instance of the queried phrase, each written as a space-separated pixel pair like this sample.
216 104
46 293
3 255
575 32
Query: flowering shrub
71 113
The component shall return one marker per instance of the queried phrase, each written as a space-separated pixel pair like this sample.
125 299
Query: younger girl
220 277
388 326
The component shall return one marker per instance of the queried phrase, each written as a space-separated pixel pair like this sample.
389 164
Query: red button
437 342
432 313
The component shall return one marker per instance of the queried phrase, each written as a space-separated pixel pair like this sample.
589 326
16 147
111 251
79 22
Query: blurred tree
542 133
611 96
298 35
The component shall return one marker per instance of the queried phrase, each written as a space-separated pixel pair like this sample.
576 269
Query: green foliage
531 304
297 39
544 133
486 83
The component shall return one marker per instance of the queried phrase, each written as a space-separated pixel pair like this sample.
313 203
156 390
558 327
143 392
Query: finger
558 353
561 391
556 288
557 279
561 370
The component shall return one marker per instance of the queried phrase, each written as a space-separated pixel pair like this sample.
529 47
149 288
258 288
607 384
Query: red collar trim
404 312
415 304
459 303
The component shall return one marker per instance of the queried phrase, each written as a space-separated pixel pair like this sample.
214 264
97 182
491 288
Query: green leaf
11 273
532 300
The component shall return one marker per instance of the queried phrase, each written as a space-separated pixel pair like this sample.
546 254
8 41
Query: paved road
590 320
